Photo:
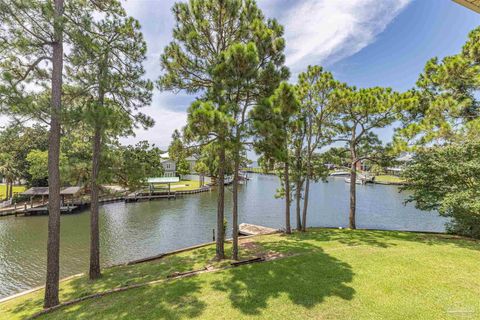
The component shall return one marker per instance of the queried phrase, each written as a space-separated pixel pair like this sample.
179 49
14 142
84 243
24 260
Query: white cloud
326 31
166 122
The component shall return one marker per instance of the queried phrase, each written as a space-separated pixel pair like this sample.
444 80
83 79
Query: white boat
340 173
357 181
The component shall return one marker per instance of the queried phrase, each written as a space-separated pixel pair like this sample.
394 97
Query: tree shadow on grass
121 276
306 279
171 300
382 238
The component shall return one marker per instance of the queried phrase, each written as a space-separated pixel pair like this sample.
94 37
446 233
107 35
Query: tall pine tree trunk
7 180
94 272
307 178
305 202
298 198
288 229
298 191
11 189
353 191
220 252
235 206
53 242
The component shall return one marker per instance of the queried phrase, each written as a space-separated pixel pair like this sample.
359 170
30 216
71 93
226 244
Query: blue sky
363 42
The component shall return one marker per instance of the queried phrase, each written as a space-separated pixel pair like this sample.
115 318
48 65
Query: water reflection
137 230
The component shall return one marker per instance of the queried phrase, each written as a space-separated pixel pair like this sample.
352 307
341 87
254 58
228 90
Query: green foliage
201 168
274 125
177 150
16 141
106 72
447 179
38 165
130 166
208 37
377 169
447 104
361 112
183 167
233 56
38 161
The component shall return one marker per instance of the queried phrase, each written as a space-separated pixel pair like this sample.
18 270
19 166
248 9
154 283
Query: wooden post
31 202
213 233
43 199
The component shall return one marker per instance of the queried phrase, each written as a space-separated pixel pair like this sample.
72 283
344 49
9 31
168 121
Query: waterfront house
401 161
170 166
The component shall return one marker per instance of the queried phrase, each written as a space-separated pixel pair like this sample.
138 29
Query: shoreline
205 244
107 200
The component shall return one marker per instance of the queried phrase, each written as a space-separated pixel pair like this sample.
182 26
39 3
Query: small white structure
402 159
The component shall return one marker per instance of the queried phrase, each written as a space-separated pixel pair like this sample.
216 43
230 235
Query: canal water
137 230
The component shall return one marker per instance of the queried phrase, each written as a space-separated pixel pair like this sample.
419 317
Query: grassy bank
323 274
184 185
388 179
259 170
3 190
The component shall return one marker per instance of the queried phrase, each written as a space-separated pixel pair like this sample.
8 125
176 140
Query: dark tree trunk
288 229
9 189
307 178
353 193
53 243
220 252
298 198
6 188
94 272
305 203
235 207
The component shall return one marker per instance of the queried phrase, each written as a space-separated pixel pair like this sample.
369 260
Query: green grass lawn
3 190
259 170
184 185
389 179
323 274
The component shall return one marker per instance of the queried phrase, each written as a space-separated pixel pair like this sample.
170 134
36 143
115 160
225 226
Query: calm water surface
137 230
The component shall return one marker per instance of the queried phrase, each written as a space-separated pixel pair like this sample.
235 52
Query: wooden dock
144 197
247 229
44 210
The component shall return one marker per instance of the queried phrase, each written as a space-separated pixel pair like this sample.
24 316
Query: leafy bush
447 179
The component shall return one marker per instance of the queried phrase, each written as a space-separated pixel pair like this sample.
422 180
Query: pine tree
228 52
106 68
275 123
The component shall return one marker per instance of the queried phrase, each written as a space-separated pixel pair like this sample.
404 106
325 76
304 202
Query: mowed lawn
182 185
389 179
3 190
323 274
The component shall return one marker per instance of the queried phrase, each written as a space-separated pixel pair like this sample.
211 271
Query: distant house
401 161
192 161
170 167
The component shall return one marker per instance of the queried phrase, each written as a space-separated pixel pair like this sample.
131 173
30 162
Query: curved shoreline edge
205 244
